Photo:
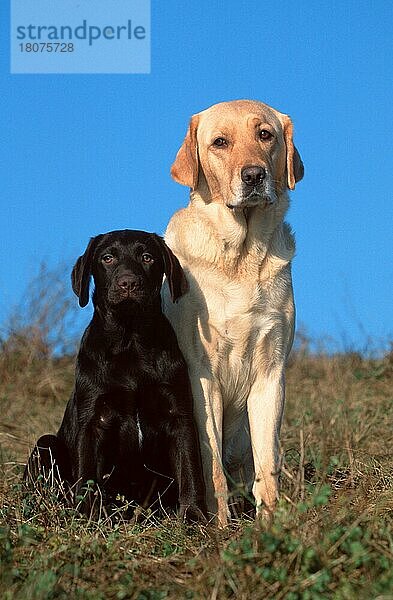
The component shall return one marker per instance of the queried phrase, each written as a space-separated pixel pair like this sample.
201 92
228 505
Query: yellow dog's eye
264 134
219 142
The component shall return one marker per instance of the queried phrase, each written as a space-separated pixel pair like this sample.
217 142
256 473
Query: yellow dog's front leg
265 407
208 413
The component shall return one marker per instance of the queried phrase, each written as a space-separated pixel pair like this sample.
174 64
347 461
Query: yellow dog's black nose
253 175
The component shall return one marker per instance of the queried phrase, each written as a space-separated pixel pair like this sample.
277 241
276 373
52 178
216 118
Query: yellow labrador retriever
235 325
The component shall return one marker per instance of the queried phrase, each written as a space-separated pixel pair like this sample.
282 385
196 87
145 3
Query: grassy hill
332 535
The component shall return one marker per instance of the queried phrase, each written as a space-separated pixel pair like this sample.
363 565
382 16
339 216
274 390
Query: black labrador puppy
128 425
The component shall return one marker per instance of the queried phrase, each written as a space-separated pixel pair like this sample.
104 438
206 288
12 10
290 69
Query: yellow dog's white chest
233 328
236 308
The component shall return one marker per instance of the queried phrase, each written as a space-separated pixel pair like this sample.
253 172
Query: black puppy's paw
90 500
191 513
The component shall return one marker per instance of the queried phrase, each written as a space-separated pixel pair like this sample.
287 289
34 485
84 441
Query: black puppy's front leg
186 462
91 465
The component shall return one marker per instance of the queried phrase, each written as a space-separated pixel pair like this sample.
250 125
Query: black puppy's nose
128 282
253 175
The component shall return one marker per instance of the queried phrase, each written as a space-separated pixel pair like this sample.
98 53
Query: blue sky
84 154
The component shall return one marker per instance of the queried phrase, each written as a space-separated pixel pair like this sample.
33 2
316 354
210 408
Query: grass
332 535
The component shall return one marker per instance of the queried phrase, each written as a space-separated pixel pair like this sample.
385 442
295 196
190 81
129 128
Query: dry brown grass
331 538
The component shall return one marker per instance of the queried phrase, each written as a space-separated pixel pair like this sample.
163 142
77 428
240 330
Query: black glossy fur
128 425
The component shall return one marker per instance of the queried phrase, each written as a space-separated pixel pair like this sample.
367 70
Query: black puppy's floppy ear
81 273
177 281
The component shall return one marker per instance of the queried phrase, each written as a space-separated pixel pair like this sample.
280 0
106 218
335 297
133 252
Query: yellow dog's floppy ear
295 167
185 169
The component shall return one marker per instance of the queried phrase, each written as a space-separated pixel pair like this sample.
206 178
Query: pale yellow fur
235 324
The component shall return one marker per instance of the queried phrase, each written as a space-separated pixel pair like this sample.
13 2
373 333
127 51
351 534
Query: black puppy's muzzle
129 283
125 286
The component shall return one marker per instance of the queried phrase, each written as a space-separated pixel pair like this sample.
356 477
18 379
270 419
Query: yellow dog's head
239 153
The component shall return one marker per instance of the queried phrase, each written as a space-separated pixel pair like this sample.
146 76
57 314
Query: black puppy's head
127 267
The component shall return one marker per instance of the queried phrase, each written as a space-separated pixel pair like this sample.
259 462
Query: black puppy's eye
220 142
147 258
264 134
108 258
